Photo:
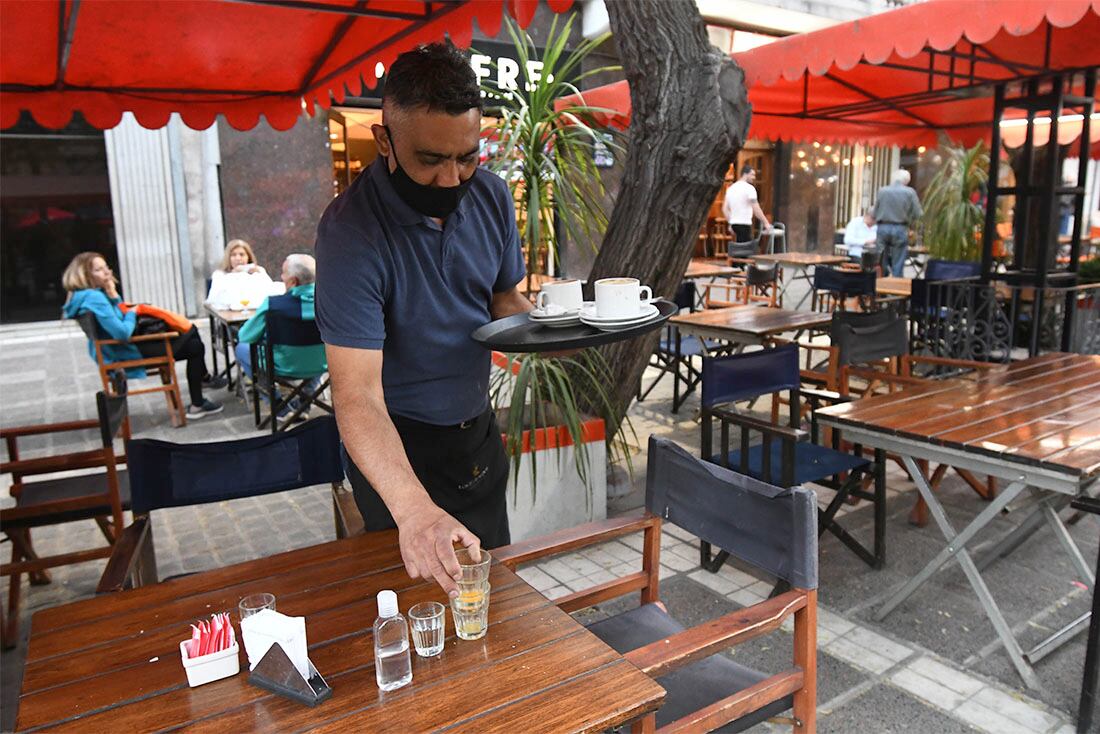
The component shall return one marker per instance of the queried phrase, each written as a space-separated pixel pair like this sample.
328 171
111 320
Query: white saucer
647 311
556 322
621 326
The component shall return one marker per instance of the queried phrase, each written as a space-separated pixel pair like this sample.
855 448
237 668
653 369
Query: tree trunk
690 116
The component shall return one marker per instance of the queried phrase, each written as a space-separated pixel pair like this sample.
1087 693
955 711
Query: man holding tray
418 252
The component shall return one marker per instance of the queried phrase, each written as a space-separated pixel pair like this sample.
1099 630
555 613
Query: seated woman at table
93 288
239 279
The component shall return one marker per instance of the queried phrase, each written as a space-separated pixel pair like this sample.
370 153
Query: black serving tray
520 334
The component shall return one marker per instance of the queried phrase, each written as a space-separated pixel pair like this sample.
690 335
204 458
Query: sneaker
208 407
214 381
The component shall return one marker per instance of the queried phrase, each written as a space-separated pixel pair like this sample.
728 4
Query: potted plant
953 203
546 154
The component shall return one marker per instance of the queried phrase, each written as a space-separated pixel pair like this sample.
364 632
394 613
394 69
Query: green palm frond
953 215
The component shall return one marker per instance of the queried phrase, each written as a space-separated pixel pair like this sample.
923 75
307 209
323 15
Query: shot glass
255 603
474 572
427 621
471 611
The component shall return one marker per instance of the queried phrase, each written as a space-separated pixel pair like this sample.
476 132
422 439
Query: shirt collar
401 212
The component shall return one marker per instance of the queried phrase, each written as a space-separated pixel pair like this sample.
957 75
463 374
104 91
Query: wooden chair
760 284
281 330
870 355
675 354
164 474
786 455
113 374
101 495
769 527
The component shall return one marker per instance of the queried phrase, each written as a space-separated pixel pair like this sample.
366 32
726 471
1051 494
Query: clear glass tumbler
474 572
255 603
427 621
471 611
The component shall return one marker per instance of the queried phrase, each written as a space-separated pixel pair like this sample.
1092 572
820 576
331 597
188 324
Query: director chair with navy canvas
786 455
772 529
306 389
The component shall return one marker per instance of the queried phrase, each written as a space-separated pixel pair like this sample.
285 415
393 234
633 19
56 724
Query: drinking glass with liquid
427 621
392 664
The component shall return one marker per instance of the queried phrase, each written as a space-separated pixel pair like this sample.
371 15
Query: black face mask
431 201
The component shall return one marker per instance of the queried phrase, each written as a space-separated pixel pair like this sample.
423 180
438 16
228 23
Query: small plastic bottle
392 665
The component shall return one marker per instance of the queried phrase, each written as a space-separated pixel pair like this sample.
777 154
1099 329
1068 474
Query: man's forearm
374 445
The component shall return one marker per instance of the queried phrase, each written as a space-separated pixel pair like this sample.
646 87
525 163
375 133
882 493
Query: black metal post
1070 307
989 230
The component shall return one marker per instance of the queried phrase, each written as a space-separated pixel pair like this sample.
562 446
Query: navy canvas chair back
286 327
770 527
868 337
744 376
165 474
845 282
685 295
758 276
951 270
89 325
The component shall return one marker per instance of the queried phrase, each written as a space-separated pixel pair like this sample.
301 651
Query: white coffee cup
621 297
564 293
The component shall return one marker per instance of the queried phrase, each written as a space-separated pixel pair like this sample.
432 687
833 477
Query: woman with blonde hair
238 278
93 289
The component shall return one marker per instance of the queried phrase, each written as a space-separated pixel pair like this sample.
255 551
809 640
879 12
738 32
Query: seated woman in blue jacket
93 288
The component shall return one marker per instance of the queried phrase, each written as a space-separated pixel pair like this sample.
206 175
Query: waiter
418 252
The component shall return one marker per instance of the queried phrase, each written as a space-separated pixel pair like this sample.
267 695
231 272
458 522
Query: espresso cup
564 293
621 297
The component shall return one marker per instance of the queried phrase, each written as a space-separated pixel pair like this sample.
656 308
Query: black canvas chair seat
695 686
43 493
812 463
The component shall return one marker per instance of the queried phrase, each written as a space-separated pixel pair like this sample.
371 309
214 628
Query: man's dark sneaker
208 407
214 381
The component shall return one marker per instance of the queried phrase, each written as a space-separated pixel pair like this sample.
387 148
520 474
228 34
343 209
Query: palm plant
545 153
953 211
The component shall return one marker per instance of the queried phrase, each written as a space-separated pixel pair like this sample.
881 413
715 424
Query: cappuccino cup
621 297
564 293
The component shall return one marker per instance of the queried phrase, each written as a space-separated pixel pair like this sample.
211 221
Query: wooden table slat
112 605
1015 431
801 258
755 320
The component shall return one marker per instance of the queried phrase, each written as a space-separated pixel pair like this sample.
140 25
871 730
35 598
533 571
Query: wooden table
701 267
891 286
800 263
224 325
1034 424
112 663
747 325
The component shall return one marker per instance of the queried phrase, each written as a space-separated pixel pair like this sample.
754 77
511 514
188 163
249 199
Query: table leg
214 344
804 274
956 548
1074 553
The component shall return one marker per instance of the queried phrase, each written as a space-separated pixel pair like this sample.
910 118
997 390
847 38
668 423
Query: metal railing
995 322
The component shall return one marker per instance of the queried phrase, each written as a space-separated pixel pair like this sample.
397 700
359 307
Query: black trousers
463 467
187 346
742 232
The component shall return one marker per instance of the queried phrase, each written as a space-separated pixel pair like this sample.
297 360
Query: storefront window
55 201
814 172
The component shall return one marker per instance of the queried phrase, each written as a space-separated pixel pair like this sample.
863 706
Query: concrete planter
561 499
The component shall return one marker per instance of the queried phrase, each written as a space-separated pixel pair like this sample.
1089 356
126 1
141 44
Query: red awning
201 58
903 76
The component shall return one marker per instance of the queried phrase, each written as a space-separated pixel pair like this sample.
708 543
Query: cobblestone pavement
932 666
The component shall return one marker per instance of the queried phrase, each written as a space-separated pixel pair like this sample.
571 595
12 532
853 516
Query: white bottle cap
387 604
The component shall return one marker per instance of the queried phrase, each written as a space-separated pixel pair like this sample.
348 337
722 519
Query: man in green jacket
293 362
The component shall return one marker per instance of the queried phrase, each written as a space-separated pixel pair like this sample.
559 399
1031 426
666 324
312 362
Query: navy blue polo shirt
390 278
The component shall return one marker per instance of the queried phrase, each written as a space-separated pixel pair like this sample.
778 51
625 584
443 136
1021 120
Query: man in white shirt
860 233
741 204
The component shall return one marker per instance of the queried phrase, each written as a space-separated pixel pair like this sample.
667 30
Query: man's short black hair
747 169
435 75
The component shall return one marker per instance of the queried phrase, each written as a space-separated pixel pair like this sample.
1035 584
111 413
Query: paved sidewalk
932 666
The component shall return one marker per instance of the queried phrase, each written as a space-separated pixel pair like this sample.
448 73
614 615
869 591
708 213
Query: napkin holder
277 674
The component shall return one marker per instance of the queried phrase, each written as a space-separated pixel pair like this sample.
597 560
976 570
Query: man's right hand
427 536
